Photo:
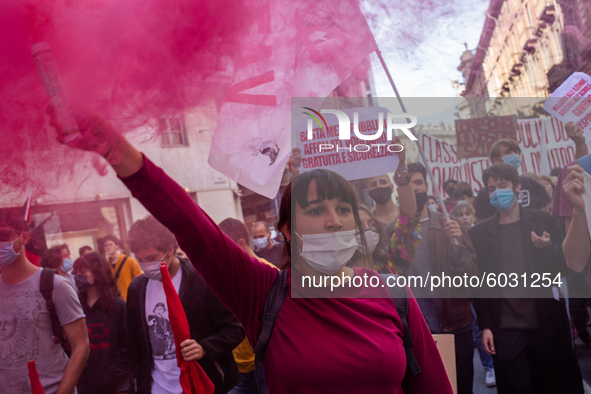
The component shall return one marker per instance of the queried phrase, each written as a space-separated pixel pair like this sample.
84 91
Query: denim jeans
485 358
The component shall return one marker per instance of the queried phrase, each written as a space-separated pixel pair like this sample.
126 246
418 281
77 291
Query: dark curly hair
149 232
52 257
103 279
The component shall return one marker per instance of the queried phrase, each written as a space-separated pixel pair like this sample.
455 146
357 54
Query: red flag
36 387
193 378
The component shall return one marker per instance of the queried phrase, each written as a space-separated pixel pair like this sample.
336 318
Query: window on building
173 132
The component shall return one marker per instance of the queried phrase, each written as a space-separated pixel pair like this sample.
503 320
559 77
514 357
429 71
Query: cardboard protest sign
476 136
353 158
571 102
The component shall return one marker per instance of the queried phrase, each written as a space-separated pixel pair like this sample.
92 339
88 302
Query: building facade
85 208
523 55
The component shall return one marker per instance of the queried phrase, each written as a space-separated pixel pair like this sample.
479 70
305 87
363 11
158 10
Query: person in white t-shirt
152 351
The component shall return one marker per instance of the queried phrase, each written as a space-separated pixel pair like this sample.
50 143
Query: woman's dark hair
103 279
52 257
329 186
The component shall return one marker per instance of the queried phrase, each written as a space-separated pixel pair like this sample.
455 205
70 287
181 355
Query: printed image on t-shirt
161 336
19 335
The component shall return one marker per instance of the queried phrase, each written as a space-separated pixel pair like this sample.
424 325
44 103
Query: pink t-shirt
324 345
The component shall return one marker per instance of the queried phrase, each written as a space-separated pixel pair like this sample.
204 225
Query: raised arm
576 134
406 194
240 282
576 245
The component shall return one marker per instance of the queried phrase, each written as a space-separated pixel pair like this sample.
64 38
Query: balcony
548 15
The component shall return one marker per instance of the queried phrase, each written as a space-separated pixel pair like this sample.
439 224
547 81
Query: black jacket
552 313
211 324
107 367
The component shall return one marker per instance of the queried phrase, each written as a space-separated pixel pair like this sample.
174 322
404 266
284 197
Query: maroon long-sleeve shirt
323 345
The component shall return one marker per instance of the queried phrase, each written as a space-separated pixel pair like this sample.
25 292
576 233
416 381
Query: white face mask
261 243
371 240
7 253
328 252
152 268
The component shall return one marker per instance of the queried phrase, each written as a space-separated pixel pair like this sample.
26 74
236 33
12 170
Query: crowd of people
101 324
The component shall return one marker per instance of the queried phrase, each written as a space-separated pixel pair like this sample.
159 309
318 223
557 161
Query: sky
426 69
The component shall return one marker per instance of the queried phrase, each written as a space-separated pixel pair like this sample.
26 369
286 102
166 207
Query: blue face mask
502 199
432 207
513 159
67 265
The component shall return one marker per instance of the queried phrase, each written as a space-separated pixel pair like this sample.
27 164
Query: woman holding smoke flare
346 342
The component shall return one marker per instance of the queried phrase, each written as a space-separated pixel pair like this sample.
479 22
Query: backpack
277 295
46 289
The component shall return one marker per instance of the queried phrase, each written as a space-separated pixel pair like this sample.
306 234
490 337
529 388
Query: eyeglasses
5 235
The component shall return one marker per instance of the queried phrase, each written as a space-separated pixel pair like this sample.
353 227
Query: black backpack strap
46 289
273 304
119 269
400 297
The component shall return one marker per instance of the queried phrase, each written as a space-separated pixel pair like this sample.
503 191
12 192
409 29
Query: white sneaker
490 379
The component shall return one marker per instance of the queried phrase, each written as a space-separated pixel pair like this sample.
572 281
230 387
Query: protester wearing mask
107 369
432 203
124 268
309 333
532 194
529 338
447 310
25 323
265 246
380 190
450 187
214 331
58 258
